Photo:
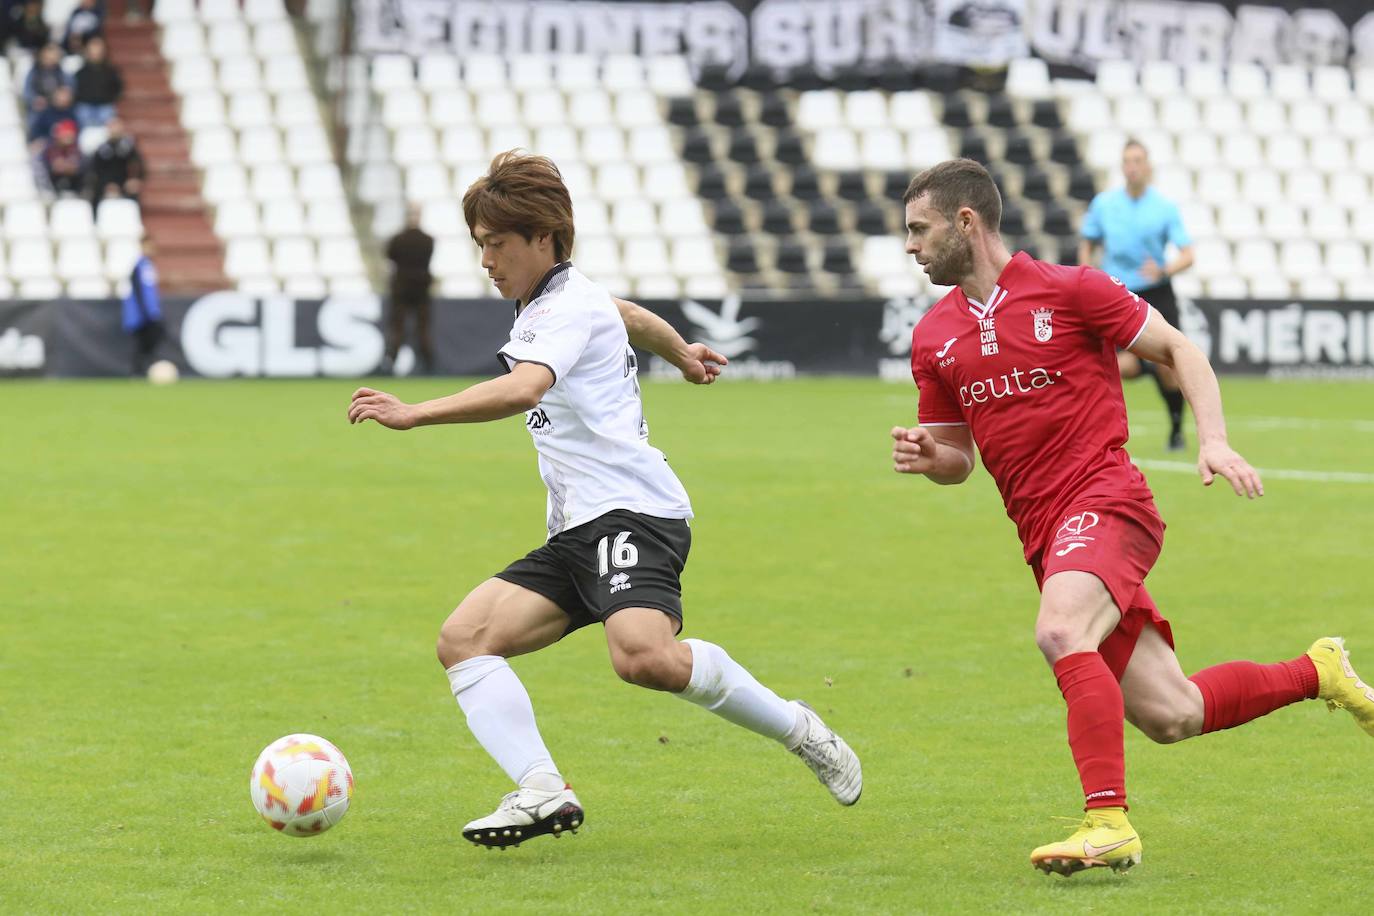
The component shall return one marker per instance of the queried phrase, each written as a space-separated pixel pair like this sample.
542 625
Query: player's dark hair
958 183
524 194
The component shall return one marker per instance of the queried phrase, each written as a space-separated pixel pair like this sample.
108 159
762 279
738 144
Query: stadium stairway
190 258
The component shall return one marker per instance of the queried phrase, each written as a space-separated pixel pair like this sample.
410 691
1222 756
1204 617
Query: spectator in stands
87 21
43 80
60 107
1134 224
98 86
63 161
142 315
116 166
409 252
26 25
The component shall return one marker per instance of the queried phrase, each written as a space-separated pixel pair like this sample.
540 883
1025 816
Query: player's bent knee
463 638
655 669
1057 640
1168 727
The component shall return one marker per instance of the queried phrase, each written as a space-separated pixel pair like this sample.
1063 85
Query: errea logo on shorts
1006 385
619 582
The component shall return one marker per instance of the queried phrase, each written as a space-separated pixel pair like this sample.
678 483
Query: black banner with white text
231 335
824 36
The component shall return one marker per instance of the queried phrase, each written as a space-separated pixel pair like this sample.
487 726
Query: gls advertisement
230 335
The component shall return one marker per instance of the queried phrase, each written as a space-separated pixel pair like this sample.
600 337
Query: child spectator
62 159
60 107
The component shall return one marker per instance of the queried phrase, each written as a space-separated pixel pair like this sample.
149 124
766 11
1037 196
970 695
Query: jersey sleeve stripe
1148 310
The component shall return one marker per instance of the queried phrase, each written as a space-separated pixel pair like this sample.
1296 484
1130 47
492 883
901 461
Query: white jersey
589 429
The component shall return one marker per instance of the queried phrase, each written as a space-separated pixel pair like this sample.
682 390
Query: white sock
502 720
721 684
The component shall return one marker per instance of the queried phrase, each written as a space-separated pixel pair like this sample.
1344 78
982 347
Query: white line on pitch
1184 467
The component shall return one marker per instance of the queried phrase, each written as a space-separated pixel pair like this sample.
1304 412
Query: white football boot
835 765
527 813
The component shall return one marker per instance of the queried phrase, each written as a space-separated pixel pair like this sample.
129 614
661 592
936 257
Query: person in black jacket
409 252
26 25
98 86
86 22
116 166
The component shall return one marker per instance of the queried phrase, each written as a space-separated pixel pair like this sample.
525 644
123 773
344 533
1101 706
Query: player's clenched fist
386 409
913 450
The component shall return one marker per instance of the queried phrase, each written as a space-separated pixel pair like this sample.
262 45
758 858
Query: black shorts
622 559
1163 299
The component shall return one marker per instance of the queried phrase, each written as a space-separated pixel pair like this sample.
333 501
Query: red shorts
1118 541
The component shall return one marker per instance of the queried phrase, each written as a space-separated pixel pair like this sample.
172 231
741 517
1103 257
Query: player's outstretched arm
942 453
698 363
1165 344
495 399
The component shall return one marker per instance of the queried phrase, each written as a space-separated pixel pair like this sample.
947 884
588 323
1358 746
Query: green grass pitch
187 573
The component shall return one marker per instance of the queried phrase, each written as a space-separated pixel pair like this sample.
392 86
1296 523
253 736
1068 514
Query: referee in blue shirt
1133 225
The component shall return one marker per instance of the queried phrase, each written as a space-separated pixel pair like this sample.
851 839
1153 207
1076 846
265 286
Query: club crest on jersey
1044 324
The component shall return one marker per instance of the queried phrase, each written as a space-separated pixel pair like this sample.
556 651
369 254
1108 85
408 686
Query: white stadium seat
637 108
403 107
482 72
392 71
259 146
283 218
1346 259
1247 81
427 180
668 75
439 71
328 219
531 72
498 108
340 257
1289 83
293 257
1028 78
450 107
30 259
119 219
258 11
237 219
228 39
819 109
319 182
1161 79
912 110
591 109
271 39
575 73
79 258
273 181
623 71
544 108
865 109
120 257
239 73
1117 78
1331 84
25 219
71 219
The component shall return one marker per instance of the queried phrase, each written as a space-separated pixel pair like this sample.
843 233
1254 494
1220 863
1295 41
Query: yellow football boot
1105 839
1338 684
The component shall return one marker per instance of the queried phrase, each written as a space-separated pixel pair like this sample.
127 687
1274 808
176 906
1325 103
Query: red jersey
1033 374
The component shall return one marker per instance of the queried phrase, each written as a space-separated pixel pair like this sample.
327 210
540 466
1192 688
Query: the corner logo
1044 324
21 352
619 582
725 332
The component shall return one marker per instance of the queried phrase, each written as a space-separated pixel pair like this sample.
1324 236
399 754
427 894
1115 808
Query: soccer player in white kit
617 514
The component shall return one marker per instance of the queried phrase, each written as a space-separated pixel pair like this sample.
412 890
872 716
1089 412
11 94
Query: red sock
1236 692
1096 727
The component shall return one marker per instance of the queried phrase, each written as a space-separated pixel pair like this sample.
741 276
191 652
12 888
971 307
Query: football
301 785
163 372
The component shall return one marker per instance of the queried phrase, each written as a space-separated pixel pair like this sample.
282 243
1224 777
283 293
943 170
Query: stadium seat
339 257
450 107
259 146
438 72
532 73
117 219
120 257
392 71
228 39
237 219
1247 81
1028 78
623 71
668 76
283 218
30 259
1161 79
1346 259
193 74
71 219
80 266
1117 78
483 72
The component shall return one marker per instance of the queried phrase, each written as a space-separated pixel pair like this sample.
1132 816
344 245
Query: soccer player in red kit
1019 360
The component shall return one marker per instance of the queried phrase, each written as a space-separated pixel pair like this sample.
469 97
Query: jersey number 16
622 554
